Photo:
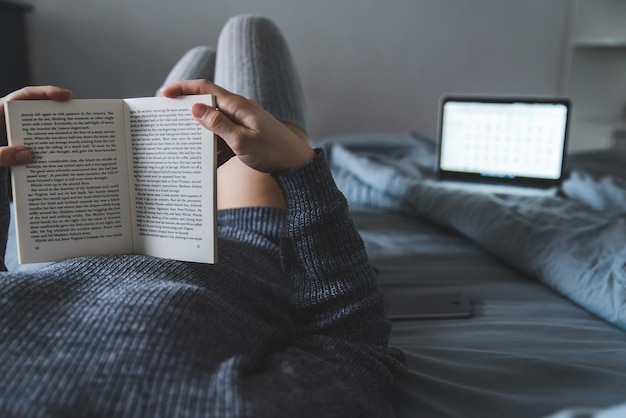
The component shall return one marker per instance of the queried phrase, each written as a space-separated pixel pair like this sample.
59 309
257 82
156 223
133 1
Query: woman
289 323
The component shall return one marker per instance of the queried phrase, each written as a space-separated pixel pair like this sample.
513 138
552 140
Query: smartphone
428 306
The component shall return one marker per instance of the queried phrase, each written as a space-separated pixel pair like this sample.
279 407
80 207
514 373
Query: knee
256 24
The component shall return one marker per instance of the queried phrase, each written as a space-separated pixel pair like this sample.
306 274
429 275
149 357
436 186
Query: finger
185 87
225 100
40 93
14 155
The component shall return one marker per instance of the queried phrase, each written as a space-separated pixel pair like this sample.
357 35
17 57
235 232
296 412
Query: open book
114 177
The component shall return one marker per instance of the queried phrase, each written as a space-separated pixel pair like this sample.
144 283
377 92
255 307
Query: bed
546 276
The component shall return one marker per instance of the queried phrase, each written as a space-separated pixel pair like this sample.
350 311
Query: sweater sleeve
335 293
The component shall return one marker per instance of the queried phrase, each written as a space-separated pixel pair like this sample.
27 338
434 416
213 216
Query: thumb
219 124
213 120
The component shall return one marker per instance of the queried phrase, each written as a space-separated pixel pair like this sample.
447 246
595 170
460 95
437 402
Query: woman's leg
197 63
253 60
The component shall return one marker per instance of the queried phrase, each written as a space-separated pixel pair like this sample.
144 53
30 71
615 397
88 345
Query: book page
72 200
172 165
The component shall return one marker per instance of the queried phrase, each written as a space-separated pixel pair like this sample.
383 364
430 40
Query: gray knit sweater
290 323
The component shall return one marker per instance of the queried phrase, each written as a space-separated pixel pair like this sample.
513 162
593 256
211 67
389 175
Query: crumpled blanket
574 242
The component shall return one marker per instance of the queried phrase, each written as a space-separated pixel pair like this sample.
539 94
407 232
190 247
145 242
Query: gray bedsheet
527 352
530 350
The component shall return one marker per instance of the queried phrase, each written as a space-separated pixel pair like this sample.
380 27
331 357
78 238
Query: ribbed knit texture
197 63
270 77
134 336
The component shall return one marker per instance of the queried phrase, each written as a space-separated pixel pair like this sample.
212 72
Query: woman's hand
248 131
17 155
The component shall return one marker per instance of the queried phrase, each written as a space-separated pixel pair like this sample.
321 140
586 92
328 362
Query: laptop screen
518 141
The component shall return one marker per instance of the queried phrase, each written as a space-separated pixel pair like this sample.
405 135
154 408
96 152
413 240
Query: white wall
367 65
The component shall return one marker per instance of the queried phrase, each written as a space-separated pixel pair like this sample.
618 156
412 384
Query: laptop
502 144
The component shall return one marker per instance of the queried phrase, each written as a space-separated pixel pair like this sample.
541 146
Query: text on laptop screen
515 139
